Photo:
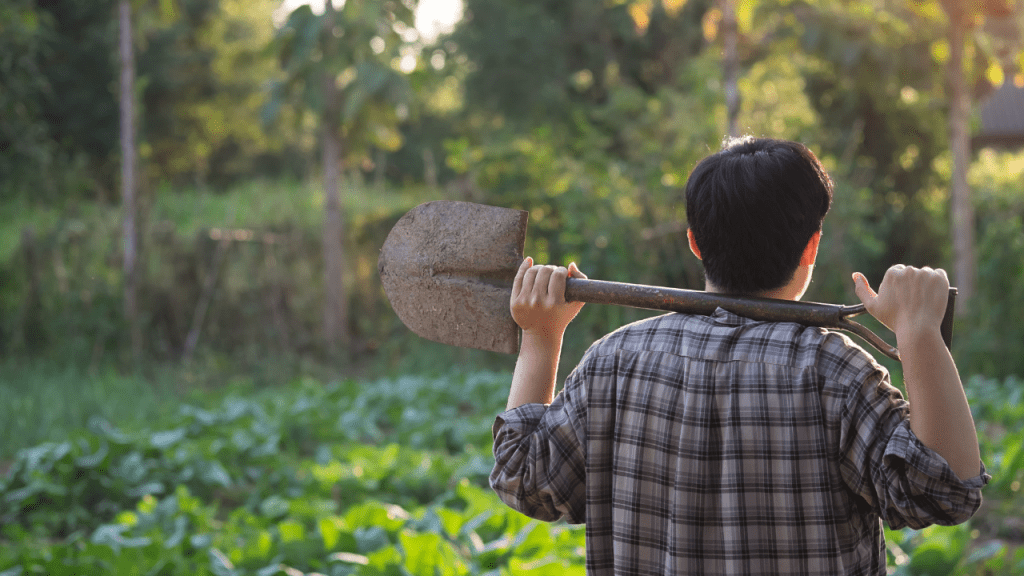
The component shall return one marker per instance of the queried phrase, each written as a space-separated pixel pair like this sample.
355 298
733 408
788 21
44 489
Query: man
722 445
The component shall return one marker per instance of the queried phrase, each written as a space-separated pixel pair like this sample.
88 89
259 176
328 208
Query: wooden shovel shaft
763 309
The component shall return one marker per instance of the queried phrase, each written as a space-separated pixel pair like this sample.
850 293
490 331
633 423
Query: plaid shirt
722 445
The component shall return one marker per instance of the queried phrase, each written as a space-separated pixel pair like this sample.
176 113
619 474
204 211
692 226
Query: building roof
1002 116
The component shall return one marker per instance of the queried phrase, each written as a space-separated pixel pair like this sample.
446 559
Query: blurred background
193 193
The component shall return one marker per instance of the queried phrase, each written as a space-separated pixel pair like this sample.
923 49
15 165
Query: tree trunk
336 309
730 65
429 167
961 208
130 233
335 313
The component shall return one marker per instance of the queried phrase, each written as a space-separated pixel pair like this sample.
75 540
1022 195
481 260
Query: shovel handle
703 303
763 309
947 319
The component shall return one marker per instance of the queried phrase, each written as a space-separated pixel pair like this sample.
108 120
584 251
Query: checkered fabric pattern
721 445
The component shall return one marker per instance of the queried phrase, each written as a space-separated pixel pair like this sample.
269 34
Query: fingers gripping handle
946 329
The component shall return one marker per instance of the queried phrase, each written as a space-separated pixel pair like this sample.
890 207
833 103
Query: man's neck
793 290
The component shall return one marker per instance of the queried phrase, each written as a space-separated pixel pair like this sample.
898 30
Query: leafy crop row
383 478
347 478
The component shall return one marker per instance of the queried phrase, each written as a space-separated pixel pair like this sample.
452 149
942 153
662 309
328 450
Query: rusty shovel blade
447 269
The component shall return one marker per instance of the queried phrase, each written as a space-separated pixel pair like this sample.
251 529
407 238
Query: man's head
752 208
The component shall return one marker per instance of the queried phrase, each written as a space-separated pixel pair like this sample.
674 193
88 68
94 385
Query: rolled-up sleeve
909 484
923 489
540 457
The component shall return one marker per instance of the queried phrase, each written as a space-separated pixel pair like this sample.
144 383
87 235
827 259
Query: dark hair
753 206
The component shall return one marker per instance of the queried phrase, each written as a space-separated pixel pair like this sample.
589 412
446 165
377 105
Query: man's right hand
538 305
538 299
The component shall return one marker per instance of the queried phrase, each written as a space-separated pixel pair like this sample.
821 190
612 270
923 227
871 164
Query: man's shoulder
640 335
726 337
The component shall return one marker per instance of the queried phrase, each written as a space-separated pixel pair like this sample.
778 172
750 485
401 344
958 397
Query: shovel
447 269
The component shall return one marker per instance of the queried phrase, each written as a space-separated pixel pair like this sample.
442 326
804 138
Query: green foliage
282 481
383 477
269 271
41 401
47 144
356 48
202 70
995 346
536 62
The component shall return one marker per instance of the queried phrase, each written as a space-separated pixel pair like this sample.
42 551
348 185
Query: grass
41 401
47 400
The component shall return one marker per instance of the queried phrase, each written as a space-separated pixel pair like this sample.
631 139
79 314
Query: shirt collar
723 316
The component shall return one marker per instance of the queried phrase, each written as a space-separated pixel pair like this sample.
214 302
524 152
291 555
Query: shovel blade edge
447 270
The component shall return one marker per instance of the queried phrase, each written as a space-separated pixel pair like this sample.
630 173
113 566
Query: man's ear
811 250
693 243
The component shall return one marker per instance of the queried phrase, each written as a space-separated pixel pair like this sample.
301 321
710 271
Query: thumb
863 289
574 271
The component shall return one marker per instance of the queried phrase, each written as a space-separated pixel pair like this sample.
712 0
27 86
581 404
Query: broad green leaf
426 552
131 468
477 500
932 559
235 408
987 552
112 535
384 557
376 514
264 543
95 459
533 541
291 531
145 489
370 539
213 472
127 518
451 520
546 567
202 417
330 531
1012 460
328 474
274 507
421 552
177 536
42 457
